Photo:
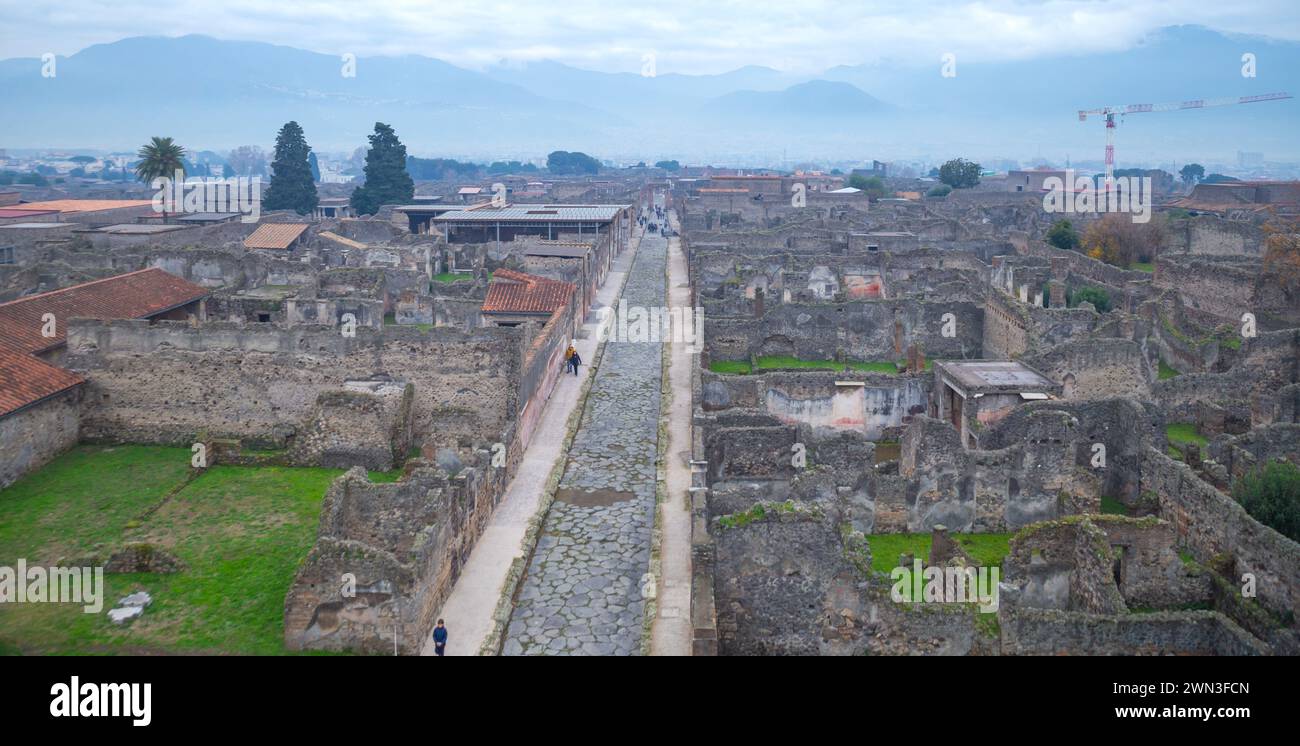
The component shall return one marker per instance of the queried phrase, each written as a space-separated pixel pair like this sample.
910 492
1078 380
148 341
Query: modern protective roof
534 213
274 235
82 205
1001 375
134 295
518 292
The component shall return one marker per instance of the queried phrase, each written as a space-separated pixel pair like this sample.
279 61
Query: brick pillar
1056 294
1059 268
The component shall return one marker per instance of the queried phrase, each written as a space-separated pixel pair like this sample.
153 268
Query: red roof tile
26 380
517 292
134 295
274 235
14 212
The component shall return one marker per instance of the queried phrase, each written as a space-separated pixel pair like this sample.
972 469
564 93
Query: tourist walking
575 361
439 639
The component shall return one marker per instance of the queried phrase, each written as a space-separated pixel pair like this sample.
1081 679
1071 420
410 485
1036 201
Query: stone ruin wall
170 382
1211 523
403 544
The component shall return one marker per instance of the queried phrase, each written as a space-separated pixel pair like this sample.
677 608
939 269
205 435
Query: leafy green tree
960 173
1271 494
387 181
872 185
1062 235
315 167
1191 173
292 186
669 165
563 162
942 190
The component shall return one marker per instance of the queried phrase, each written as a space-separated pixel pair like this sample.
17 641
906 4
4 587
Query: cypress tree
292 187
387 181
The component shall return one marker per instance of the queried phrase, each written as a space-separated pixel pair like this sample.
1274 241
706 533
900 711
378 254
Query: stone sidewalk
583 591
671 633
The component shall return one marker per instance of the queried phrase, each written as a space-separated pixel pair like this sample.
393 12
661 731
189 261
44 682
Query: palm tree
160 157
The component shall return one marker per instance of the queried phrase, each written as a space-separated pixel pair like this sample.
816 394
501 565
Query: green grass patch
987 549
734 367
756 513
241 532
777 362
451 277
1148 267
1185 432
1111 506
1166 371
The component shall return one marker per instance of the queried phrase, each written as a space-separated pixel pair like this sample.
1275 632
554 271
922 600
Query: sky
680 36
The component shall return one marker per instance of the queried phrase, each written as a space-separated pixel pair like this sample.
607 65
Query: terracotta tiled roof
134 295
25 380
516 292
274 235
14 212
83 205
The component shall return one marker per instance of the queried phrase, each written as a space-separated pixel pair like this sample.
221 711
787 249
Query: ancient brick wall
400 545
1096 368
169 382
1211 523
32 437
869 331
783 586
1209 234
879 408
1045 632
368 424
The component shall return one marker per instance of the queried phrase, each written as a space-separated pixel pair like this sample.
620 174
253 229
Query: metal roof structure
993 376
539 213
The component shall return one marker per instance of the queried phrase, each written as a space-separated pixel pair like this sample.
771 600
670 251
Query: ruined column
1056 294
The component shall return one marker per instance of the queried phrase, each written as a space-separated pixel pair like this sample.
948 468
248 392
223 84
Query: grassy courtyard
1185 432
786 362
240 531
987 549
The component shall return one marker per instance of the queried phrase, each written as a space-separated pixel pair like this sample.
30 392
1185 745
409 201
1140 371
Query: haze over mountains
216 94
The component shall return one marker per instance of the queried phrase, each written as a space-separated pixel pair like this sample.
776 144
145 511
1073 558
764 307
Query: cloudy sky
687 36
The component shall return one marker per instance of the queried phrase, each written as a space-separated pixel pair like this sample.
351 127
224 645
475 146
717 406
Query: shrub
1062 235
1271 494
943 190
1099 298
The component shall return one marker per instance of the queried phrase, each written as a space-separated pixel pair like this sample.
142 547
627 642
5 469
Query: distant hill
215 94
816 99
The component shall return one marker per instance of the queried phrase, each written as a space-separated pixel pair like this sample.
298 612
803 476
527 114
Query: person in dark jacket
575 361
439 639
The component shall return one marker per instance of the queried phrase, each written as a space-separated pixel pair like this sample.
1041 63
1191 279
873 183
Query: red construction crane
1109 113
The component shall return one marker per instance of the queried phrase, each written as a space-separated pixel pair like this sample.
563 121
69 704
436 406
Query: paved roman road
582 593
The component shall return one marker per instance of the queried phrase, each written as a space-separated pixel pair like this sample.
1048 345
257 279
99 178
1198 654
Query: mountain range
218 94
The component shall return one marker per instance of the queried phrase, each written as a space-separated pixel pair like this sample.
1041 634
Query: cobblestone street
582 594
